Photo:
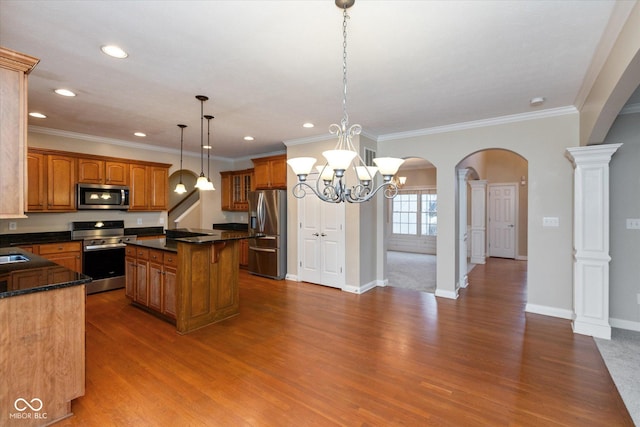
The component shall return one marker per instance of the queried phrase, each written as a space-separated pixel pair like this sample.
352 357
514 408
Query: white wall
624 269
542 142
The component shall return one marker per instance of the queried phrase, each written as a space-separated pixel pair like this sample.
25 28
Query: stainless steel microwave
98 196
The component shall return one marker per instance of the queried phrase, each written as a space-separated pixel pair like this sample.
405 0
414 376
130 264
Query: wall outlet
139 221
633 223
13 225
161 220
551 221
638 299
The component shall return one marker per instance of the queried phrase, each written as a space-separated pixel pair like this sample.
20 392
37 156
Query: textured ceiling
270 66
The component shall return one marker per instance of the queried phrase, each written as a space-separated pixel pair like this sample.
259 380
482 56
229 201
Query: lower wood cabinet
67 254
151 279
244 253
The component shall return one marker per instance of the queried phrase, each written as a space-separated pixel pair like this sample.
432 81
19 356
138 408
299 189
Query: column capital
592 154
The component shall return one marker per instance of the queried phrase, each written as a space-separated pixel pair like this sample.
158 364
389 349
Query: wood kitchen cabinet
151 279
14 68
67 254
149 187
51 180
236 186
270 172
99 171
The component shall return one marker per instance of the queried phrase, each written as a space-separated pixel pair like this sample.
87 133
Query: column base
595 330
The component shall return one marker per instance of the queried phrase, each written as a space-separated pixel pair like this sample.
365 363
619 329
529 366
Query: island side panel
207 289
43 354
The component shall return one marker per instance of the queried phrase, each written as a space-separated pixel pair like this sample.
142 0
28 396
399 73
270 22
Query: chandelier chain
345 116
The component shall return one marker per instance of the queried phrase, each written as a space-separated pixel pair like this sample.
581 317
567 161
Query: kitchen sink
13 258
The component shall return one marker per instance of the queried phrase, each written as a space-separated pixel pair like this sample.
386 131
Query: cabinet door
226 191
116 173
36 186
68 260
142 282
138 199
61 179
130 276
159 185
91 171
169 291
279 173
244 253
155 285
261 174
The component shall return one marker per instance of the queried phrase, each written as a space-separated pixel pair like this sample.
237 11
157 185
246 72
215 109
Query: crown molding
552 112
118 142
321 138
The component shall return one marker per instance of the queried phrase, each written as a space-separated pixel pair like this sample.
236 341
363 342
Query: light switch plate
633 223
13 225
551 221
139 221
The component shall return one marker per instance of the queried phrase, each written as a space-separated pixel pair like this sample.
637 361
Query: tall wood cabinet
149 188
14 68
270 172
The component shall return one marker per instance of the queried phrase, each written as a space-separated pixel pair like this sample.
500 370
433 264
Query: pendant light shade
180 188
201 182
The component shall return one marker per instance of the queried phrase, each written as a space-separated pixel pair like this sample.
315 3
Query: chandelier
332 174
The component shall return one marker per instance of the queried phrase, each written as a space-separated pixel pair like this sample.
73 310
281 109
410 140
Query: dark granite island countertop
35 275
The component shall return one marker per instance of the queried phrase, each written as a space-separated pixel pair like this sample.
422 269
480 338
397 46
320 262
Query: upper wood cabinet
270 172
236 186
14 68
99 171
51 182
149 187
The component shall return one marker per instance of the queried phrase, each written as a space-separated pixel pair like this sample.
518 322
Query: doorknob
315 234
322 234
510 225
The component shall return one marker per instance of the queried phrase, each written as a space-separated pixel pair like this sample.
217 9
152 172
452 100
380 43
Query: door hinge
300 263
340 270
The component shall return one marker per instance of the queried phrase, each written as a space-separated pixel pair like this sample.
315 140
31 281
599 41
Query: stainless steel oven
104 243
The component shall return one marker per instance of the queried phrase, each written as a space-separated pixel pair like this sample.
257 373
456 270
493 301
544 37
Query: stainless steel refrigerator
268 217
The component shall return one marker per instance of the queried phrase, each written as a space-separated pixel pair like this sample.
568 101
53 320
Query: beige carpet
412 271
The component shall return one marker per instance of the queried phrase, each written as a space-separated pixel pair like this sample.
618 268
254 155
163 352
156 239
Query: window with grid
414 213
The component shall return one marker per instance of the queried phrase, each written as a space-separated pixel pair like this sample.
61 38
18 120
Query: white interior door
502 220
321 241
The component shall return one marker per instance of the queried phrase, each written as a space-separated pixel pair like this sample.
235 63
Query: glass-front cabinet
236 186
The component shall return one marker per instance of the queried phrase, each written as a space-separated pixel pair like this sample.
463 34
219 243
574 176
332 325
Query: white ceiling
270 66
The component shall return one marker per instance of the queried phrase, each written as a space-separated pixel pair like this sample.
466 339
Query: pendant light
201 182
343 155
180 188
209 148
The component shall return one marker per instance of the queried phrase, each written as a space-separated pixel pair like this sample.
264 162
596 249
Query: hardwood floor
307 355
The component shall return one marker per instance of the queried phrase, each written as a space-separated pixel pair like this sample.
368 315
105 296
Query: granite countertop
171 244
36 275
22 239
144 231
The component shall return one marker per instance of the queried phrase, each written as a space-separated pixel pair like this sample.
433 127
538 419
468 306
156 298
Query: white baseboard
625 324
382 283
293 277
521 258
446 294
359 289
549 311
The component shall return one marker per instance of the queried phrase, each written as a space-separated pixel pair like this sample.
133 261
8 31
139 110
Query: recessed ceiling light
114 51
38 115
140 134
538 100
248 138
64 92
307 125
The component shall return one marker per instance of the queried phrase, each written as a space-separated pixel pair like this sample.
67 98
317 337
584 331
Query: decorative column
462 228
478 221
591 239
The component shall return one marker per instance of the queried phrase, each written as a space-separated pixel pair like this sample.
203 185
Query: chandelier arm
299 191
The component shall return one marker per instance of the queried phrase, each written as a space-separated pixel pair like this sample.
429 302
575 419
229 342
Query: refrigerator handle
261 213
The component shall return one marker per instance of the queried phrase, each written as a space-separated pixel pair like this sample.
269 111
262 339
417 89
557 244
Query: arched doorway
412 227
493 208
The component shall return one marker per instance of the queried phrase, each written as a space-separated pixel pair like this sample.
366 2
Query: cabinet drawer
171 259
142 253
155 256
54 248
130 251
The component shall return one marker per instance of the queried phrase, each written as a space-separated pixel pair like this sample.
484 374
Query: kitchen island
42 356
191 281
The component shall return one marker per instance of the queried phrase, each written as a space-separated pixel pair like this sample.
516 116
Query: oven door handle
90 248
